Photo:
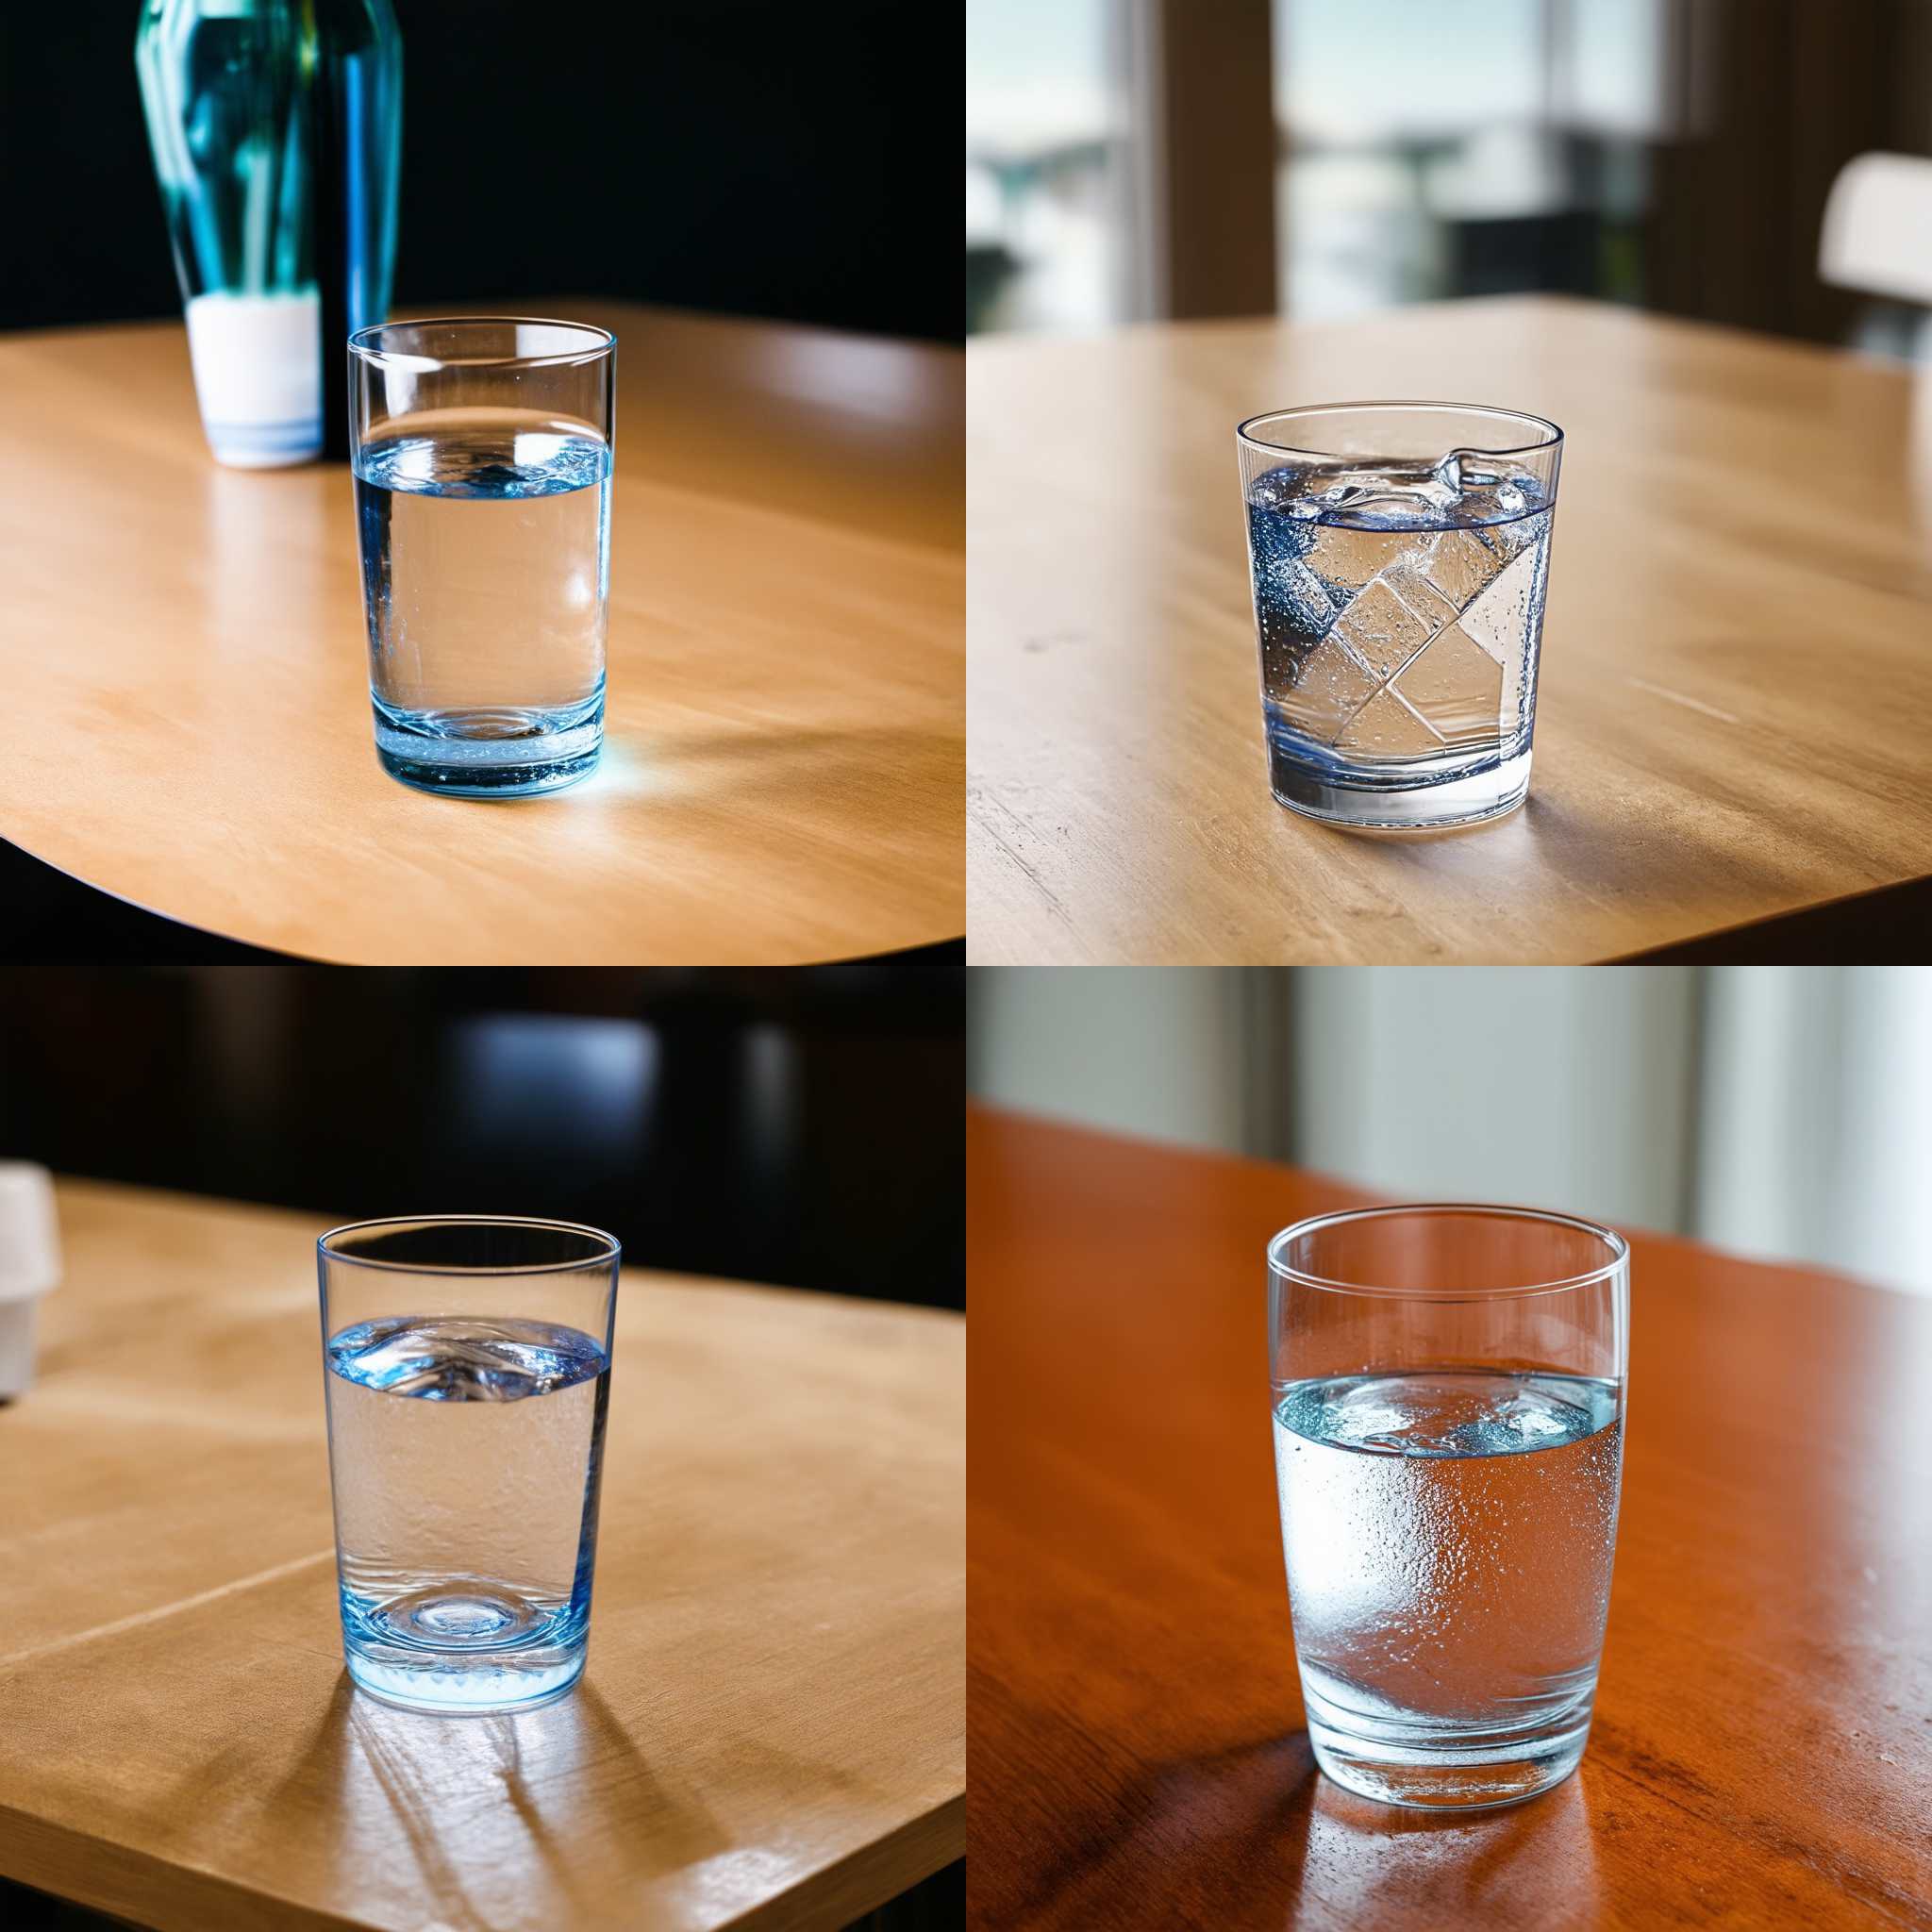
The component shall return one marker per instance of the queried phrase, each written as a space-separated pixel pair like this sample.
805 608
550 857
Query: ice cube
1317 691
1386 728
1345 559
1503 618
1422 600
1396 498
1280 489
1458 687
1494 498
1460 563
1291 594
1512 538
1381 629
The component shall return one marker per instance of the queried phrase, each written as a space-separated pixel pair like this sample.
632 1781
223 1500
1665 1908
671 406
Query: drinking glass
481 449
1398 554
467 1369
1448 1404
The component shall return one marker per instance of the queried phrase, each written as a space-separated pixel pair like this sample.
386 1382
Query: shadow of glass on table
543 1818
471 1804
537 1818
1257 1828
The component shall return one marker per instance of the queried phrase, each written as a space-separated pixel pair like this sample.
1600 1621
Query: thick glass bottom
1432 1763
465 1648
1432 1781
490 752
1404 795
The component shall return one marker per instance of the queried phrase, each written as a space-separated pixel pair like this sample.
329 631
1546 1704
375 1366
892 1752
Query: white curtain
1815 1128
1783 1112
1154 1051
1549 1086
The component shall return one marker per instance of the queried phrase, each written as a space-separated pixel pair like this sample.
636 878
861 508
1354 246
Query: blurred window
1427 148
1432 148
1406 68
1615 76
1047 233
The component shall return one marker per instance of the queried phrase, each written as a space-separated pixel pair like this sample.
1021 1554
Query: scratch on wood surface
160 1610
1677 697
1005 846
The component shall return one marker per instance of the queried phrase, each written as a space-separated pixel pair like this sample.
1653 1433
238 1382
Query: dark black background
742 156
799 1125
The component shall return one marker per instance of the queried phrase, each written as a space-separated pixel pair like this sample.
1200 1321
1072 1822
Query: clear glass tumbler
467 1368
482 456
1448 1404
1398 554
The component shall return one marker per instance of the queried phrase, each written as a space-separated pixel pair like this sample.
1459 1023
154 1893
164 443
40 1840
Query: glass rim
363 342
1618 1252
1552 439
612 1249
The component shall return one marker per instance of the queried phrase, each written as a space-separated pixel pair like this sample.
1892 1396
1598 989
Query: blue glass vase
277 128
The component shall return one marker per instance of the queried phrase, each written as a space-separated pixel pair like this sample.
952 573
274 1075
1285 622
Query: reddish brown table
1762 1753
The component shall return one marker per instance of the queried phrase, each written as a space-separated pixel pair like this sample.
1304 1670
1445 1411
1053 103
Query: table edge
985 1114
126 1880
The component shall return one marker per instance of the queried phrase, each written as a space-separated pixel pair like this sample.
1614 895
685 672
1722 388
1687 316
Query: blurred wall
743 156
1548 1088
1815 1136
800 1126
1782 1111
1151 1051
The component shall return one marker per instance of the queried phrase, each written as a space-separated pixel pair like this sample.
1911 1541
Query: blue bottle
276 127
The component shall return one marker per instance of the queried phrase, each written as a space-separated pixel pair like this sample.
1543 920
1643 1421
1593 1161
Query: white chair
1878 238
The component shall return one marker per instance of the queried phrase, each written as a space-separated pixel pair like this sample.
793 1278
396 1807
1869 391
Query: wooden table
187 717
770 1730
1763 1751
1736 712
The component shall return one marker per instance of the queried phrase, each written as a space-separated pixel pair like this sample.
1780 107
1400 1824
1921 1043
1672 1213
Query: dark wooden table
1762 1751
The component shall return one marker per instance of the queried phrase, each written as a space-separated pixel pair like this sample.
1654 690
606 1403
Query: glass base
1450 1780
1436 1763
463 1649
1415 796
499 752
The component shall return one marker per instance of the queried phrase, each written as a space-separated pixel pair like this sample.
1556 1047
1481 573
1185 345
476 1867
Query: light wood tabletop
1762 1749
186 723
770 1730
1735 720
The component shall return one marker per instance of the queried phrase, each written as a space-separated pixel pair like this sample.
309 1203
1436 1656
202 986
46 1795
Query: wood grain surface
770 1729
1763 1750
187 720
1737 670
